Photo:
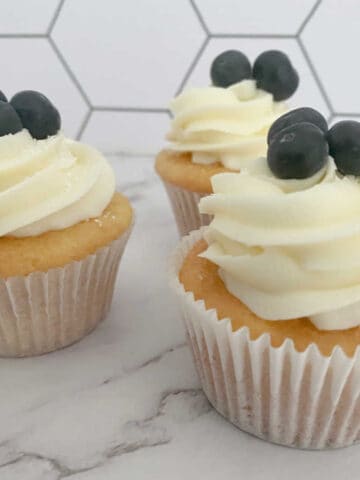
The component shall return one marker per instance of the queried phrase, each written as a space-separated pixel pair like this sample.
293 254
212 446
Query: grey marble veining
126 401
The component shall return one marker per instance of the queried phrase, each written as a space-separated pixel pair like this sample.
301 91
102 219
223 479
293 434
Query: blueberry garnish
2 97
9 119
274 73
298 151
344 146
37 113
230 67
299 115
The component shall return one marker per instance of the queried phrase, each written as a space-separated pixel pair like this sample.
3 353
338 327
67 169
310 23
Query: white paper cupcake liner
185 205
303 400
45 311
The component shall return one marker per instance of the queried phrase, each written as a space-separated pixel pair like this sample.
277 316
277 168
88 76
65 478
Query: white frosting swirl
50 184
288 249
227 125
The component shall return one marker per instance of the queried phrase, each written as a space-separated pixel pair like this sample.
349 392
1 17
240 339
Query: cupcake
63 229
222 128
270 290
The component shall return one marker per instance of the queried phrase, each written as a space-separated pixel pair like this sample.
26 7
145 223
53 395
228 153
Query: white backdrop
111 66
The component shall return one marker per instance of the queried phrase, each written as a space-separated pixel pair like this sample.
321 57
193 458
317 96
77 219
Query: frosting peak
288 249
50 184
223 124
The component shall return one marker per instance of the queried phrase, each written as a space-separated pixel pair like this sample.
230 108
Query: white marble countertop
125 402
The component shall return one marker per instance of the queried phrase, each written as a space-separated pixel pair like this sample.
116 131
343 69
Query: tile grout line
199 16
23 35
308 17
92 110
346 114
84 123
69 71
315 75
330 118
253 35
55 17
193 65
105 108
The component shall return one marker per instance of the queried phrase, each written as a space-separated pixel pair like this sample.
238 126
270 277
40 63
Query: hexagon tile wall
112 66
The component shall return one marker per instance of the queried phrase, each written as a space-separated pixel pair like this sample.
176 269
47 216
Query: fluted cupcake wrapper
185 205
299 399
45 311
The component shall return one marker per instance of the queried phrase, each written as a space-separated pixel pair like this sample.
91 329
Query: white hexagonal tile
308 93
257 16
31 16
131 56
135 132
31 64
331 39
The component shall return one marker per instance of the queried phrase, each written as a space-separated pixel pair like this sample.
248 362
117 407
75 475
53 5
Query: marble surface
125 402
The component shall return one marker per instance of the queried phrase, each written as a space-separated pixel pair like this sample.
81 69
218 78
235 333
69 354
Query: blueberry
298 151
230 67
9 119
344 146
2 97
298 115
37 113
274 73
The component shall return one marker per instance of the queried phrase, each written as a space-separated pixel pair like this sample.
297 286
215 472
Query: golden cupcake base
265 383
185 184
57 287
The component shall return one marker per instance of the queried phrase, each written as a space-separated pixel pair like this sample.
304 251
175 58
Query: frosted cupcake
222 128
271 289
63 229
